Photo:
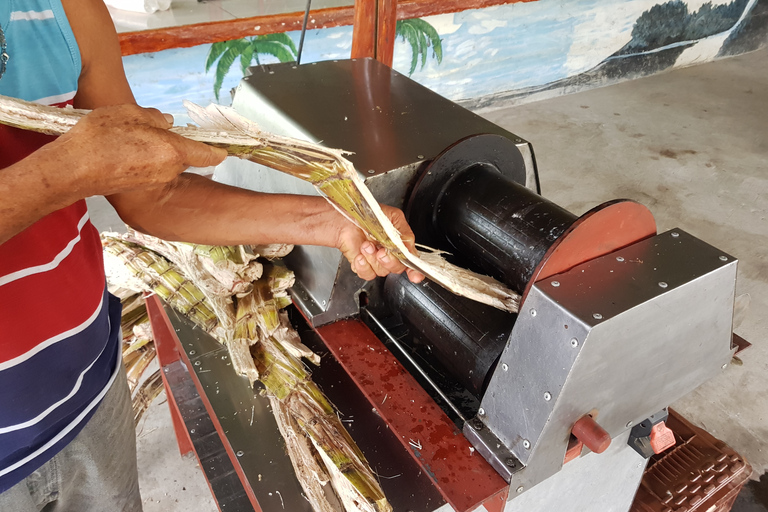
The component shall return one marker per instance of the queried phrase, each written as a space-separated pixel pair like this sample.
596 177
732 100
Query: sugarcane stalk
157 275
145 395
283 375
136 369
327 169
312 475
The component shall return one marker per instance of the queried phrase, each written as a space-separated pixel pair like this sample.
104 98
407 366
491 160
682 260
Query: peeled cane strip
311 475
327 169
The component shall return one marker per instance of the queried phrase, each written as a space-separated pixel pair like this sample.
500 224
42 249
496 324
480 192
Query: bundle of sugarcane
327 169
138 351
320 449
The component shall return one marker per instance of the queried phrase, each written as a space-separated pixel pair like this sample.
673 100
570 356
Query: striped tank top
59 327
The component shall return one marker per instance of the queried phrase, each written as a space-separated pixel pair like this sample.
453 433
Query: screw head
555 283
420 157
724 366
662 284
197 363
597 316
675 234
547 396
533 312
240 453
481 412
723 258
191 431
619 258
504 366
477 424
371 171
510 462
574 342
191 352
629 424
526 444
520 489
224 358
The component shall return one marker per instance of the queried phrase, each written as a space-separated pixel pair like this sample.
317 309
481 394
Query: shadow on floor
754 497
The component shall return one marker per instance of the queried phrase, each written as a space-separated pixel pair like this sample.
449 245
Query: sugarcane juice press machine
457 405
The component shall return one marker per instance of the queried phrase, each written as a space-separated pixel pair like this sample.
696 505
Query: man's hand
368 260
125 147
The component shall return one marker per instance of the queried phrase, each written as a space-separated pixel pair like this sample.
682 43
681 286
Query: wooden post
387 23
364 30
373 34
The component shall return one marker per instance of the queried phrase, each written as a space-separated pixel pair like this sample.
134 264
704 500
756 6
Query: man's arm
195 209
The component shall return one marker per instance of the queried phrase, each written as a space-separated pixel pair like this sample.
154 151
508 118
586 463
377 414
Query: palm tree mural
248 50
419 34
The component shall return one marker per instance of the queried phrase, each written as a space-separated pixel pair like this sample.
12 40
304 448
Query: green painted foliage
420 35
247 51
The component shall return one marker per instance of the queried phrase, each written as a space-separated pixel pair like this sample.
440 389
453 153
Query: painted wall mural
496 56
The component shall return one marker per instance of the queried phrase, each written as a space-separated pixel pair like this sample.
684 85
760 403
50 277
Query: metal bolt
526 444
662 284
323 303
619 258
533 312
371 171
420 157
240 453
197 363
555 283
520 489
547 396
597 316
518 141
510 462
724 366
504 366
192 431
629 424
191 352
477 424
481 412
574 342
675 234
723 258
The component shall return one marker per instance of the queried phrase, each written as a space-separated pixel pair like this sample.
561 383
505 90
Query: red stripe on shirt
40 306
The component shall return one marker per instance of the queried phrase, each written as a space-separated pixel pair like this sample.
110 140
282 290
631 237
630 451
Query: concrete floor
692 145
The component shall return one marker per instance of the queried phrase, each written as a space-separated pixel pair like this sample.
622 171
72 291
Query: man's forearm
196 209
31 189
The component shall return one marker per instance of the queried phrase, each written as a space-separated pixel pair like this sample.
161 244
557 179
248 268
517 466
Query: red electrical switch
661 437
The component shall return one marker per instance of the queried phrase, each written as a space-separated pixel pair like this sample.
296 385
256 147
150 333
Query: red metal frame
460 474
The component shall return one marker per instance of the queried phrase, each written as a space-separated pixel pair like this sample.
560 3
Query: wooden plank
155 40
385 34
364 30
147 41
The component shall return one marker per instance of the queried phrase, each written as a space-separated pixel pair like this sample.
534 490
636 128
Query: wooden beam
155 40
385 34
364 30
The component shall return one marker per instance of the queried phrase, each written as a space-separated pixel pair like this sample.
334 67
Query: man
66 432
